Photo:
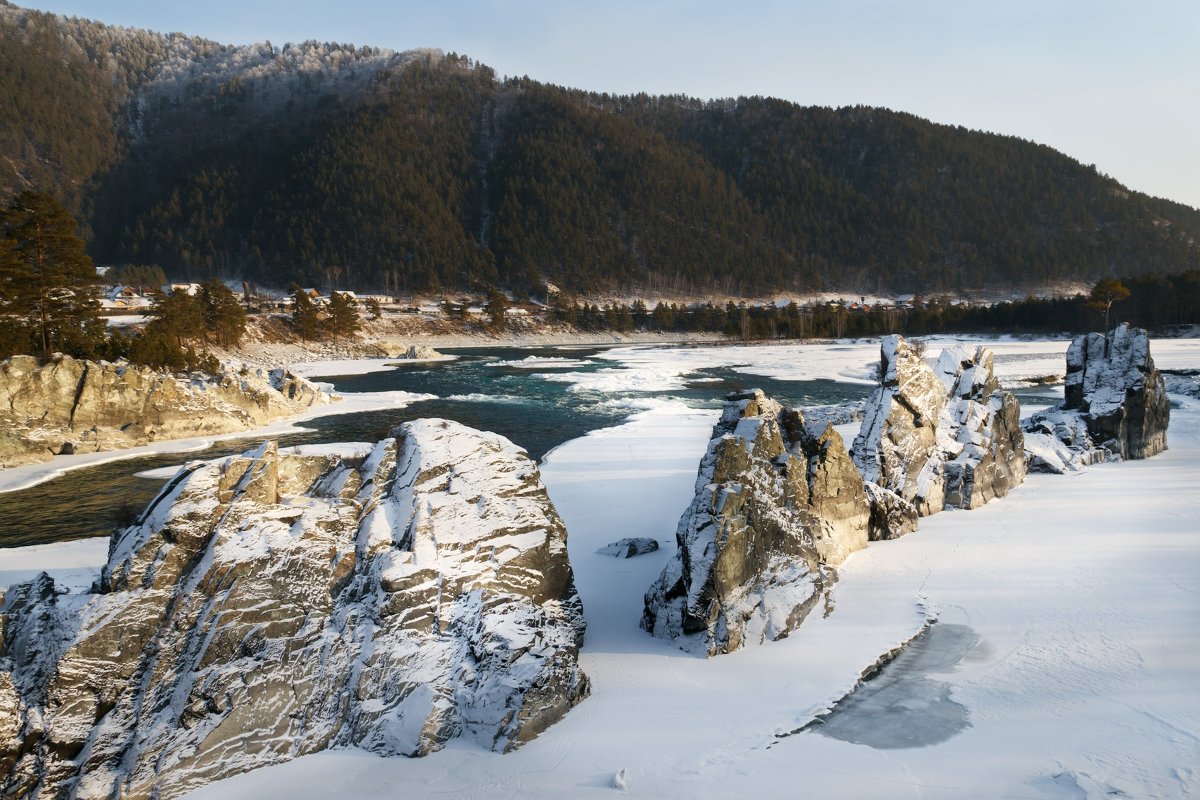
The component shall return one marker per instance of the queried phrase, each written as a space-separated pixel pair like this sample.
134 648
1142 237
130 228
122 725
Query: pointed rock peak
774 507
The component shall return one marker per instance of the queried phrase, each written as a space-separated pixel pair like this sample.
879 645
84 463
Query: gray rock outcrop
1118 392
72 406
270 605
776 507
391 349
938 438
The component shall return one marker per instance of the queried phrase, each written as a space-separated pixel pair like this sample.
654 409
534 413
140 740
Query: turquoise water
535 413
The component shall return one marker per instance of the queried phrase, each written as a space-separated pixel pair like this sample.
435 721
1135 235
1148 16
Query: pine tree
224 316
179 316
343 315
496 310
304 313
47 281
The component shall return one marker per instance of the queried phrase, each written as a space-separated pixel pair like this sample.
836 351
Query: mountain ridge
412 171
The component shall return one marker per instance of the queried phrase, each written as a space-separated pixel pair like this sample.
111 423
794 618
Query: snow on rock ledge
775 507
270 605
938 438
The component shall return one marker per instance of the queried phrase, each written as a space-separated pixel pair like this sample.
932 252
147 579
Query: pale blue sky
1116 84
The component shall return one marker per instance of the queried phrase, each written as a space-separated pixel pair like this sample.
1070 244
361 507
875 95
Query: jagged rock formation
979 432
897 444
1118 392
628 548
944 438
271 605
1115 405
72 406
775 507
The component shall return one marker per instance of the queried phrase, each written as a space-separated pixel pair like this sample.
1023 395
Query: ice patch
541 362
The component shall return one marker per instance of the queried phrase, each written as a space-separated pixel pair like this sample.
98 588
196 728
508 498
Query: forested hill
333 164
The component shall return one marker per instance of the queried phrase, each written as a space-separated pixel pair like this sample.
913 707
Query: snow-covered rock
775 507
944 437
1057 441
69 405
1118 392
270 605
1115 406
979 432
628 548
891 515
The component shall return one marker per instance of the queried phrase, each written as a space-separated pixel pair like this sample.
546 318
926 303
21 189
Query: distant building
120 292
190 289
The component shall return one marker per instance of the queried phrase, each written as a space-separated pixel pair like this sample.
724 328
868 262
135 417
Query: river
537 397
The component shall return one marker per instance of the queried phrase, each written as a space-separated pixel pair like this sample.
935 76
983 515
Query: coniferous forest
334 165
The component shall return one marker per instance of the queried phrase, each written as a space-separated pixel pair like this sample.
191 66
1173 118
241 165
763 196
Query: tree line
1155 302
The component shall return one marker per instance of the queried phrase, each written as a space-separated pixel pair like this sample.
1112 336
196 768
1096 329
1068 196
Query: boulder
628 548
944 437
776 507
1113 385
270 605
1057 441
69 405
891 515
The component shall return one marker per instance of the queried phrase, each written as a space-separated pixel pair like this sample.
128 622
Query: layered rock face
937 438
1120 396
72 406
775 507
271 605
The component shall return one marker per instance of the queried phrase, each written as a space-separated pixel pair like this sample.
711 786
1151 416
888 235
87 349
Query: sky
1114 84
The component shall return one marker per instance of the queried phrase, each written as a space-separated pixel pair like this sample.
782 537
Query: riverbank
269 342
